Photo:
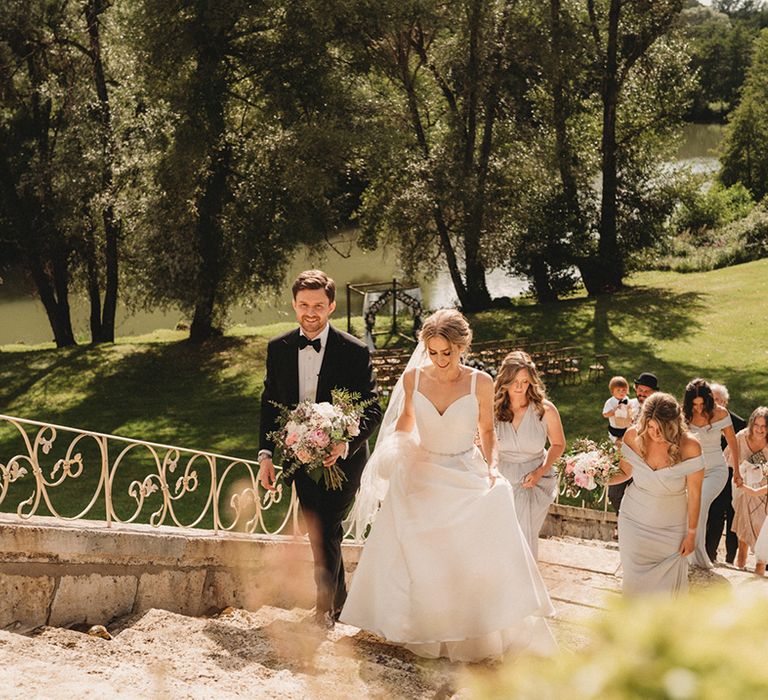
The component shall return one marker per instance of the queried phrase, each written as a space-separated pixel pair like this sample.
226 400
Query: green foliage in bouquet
705 646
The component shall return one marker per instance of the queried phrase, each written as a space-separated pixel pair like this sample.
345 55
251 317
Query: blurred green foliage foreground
710 645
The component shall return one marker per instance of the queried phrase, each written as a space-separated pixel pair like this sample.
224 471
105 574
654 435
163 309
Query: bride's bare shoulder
483 379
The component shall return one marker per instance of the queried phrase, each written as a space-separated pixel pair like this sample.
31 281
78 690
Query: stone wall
83 572
586 523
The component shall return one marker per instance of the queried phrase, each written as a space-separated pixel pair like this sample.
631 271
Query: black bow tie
304 342
624 401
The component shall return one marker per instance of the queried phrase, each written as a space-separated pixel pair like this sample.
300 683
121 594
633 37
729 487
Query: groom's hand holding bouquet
313 436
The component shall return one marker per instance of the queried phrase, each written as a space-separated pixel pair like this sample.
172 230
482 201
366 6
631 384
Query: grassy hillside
161 388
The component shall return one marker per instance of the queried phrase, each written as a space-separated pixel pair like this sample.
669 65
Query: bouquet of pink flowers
587 466
308 433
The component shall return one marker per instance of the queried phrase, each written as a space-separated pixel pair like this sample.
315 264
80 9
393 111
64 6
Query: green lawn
162 389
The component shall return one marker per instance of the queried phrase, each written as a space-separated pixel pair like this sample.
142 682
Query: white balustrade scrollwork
170 474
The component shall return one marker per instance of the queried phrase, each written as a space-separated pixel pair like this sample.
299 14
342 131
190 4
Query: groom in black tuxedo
307 363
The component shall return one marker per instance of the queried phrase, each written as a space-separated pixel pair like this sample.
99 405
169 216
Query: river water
23 319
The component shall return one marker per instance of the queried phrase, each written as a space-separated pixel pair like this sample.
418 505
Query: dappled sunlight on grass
162 388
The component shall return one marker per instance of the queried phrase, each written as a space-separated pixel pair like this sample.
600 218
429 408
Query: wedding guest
708 422
750 500
618 409
660 511
645 385
307 363
525 421
761 546
721 510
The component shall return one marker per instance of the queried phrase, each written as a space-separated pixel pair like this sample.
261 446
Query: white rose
325 410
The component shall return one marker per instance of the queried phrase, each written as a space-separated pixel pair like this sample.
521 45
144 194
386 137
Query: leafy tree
61 220
491 116
445 84
256 143
39 86
586 209
720 51
745 144
624 36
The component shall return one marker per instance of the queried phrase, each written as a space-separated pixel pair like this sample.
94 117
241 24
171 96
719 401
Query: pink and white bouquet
587 466
309 432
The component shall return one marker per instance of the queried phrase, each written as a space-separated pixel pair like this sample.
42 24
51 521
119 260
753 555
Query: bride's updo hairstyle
449 324
665 410
536 393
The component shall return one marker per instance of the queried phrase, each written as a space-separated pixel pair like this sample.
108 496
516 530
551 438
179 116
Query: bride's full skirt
446 570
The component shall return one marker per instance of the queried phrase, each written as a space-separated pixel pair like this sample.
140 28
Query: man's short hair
315 279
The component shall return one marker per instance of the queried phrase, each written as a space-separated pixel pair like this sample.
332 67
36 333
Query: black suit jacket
346 365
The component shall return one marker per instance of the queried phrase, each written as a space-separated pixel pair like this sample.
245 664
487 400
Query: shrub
706 645
703 210
738 242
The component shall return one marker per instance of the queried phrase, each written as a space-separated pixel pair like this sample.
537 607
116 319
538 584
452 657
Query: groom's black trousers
323 512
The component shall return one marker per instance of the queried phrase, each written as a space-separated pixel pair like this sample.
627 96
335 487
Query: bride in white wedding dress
446 570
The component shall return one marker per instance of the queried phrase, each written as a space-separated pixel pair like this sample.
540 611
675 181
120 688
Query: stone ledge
572 521
67 572
45 539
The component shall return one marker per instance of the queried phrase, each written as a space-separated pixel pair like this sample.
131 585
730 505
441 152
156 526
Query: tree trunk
94 291
106 329
209 101
541 284
477 295
563 150
58 314
209 247
46 250
610 272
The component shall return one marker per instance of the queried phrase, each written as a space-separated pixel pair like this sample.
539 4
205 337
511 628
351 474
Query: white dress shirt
310 362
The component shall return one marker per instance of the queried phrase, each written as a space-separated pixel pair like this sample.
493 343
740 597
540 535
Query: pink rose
303 456
319 437
569 467
291 439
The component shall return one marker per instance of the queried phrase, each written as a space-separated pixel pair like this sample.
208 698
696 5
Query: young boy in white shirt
619 410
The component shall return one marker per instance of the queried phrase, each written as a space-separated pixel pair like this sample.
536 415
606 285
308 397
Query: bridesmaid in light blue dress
708 422
659 513
525 420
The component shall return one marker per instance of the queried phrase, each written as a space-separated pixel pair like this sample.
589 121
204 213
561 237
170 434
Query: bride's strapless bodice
449 433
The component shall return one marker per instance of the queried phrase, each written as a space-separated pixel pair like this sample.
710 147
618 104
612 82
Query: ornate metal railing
169 477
